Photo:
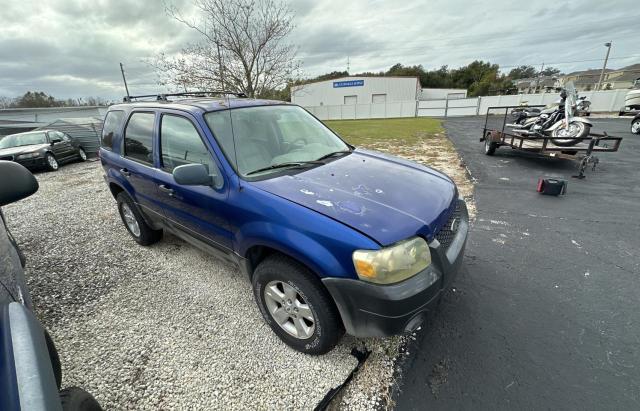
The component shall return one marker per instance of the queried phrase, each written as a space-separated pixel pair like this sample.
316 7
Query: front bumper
373 310
32 163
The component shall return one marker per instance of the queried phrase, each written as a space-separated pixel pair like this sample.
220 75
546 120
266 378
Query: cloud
72 48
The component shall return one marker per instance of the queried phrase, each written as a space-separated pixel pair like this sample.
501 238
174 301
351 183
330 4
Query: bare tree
243 48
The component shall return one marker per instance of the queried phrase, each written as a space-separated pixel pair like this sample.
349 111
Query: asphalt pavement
545 313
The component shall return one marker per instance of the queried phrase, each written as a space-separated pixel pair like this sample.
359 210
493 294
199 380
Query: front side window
180 144
253 138
138 137
27 139
111 127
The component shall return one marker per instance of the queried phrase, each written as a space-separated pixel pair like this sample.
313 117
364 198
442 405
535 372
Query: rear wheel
296 306
134 222
635 126
52 163
82 155
567 137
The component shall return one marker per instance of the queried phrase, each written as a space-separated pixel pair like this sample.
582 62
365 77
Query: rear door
197 210
138 164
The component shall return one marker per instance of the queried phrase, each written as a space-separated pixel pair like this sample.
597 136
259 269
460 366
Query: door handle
125 172
166 189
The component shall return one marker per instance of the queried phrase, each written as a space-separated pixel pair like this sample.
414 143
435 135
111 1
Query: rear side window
138 137
180 144
111 127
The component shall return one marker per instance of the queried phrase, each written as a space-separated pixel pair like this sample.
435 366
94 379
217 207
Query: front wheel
635 126
77 399
567 137
296 306
52 163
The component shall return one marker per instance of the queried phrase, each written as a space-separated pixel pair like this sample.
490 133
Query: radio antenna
233 136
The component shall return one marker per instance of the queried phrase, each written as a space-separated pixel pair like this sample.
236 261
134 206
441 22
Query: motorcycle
559 122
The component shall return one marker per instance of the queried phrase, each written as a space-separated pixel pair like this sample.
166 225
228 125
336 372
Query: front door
61 148
197 210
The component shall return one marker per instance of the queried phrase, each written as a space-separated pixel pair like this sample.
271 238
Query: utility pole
348 65
608 46
540 76
124 79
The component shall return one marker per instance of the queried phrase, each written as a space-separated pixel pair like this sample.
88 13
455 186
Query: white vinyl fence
601 101
357 111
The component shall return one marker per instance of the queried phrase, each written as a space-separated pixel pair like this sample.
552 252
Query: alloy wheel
130 220
635 127
53 163
289 309
83 155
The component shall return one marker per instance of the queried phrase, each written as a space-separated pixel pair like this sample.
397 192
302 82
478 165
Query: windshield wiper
334 153
287 164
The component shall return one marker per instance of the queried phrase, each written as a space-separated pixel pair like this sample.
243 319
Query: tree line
32 99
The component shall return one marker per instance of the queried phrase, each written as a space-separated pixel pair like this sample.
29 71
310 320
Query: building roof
590 72
354 77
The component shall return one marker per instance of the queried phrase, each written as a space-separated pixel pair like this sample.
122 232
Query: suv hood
387 198
13 151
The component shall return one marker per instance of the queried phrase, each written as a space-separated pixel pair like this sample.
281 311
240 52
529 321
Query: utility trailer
497 133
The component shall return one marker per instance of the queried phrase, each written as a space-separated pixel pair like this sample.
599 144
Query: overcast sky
71 48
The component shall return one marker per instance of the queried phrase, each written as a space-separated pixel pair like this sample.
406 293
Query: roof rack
164 96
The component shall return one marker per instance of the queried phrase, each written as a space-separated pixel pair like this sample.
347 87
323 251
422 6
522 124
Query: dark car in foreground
39 149
333 238
30 370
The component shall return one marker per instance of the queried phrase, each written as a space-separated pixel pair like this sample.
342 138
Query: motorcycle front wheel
567 137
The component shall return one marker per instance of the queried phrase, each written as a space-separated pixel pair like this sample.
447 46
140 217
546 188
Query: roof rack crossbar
163 96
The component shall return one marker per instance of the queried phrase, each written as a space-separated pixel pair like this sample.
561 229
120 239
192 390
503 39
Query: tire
51 162
77 399
55 359
82 155
490 147
322 327
635 126
583 131
131 217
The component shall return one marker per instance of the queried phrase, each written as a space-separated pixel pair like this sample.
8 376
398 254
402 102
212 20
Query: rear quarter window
138 137
111 128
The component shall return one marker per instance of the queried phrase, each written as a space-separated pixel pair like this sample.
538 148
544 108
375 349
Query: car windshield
272 138
17 140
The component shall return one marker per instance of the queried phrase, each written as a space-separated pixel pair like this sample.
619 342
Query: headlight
28 155
392 264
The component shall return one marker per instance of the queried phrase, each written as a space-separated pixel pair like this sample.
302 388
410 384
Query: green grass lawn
406 130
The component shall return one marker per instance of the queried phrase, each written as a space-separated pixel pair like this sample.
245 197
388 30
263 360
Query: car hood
13 151
387 198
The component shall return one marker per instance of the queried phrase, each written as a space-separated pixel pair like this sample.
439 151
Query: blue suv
333 238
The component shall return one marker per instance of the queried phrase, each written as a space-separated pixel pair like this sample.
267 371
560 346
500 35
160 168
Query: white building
356 91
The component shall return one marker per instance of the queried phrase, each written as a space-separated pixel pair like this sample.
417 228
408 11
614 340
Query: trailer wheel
489 146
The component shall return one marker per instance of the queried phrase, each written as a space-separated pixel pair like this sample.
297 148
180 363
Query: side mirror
17 182
193 175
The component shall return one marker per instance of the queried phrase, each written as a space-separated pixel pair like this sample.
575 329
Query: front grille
7 158
445 236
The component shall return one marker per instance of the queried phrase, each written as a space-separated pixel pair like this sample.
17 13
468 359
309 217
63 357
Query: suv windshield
17 140
271 138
